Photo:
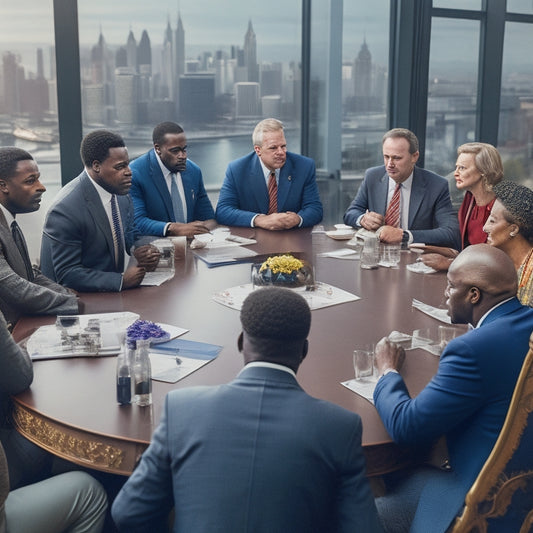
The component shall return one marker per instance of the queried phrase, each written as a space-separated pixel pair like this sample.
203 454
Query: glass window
515 133
458 4
28 105
215 71
520 6
452 91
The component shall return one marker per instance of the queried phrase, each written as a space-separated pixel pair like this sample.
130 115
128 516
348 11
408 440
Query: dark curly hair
95 146
158 135
9 158
277 314
518 202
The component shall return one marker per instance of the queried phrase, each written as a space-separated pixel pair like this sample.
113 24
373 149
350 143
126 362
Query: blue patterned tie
117 234
177 204
18 237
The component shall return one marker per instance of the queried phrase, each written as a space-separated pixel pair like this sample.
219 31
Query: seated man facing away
23 289
167 190
89 228
402 202
468 398
270 188
257 454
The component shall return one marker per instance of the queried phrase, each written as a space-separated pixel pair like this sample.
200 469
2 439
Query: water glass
390 255
363 363
370 253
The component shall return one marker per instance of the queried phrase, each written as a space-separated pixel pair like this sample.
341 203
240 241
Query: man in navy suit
468 398
247 198
164 176
425 212
84 245
258 454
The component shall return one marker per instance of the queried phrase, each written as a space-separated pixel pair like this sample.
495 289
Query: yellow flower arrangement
285 264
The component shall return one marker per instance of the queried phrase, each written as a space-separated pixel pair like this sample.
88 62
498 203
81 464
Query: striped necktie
392 216
116 230
177 204
272 193
18 237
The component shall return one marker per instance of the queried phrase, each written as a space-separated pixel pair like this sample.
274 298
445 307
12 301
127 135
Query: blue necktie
177 204
117 234
18 237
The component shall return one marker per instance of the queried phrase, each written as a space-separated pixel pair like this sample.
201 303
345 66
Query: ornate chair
501 498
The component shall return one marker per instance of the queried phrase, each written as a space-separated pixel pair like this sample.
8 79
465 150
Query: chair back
501 498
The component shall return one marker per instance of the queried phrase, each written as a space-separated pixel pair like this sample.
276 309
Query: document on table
223 255
435 312
364 387
323 295
154 279
173 360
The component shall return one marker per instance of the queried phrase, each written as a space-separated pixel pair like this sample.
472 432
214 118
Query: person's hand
436 261
387 355
133 277
277 221
390 235
177 229
372 221
147 256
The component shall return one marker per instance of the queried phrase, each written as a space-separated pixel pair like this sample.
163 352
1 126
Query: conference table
71 409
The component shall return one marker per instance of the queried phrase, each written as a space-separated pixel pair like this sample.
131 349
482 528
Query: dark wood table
71 407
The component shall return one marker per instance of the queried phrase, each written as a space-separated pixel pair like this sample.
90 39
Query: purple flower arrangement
146 330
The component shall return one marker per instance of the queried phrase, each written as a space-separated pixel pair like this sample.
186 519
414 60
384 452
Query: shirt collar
8 215
266 364
490 311
266 171
166 172
406 185
105 196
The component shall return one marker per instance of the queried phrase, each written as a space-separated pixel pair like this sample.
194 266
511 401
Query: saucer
340 235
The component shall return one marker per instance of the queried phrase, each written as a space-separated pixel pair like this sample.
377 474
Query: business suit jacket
77 244
151 198
255 455
431 219
466 400
244 192
18 295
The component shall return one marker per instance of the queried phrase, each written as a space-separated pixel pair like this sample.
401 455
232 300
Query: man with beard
89 228
168 192
466 401
270 188
23 288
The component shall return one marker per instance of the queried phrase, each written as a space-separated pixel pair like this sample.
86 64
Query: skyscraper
179 59
250 54
363 79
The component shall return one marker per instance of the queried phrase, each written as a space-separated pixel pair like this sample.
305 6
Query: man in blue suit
89 228
167 190
270 188
424 211
466 401
258 454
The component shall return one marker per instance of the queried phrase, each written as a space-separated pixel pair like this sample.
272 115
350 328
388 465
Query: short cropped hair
9 158
403 133
276 314
518 202
158 135
269 124
95 146
488 161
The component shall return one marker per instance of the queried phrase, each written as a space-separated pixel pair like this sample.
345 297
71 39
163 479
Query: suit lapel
258 185
97 211
11 251
417 195
161 186
284 184
383 193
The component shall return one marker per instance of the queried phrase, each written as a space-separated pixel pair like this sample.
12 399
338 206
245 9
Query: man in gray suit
257 454
23 288
89 228
403 203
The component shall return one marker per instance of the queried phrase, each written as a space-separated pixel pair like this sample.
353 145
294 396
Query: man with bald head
257 454
467 399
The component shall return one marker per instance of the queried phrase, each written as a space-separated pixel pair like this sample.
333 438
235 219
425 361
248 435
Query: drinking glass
390 255
363 363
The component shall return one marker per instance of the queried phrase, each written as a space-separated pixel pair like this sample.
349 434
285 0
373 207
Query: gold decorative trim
66 444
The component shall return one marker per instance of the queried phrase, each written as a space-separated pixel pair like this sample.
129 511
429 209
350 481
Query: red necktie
392 216
272 194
